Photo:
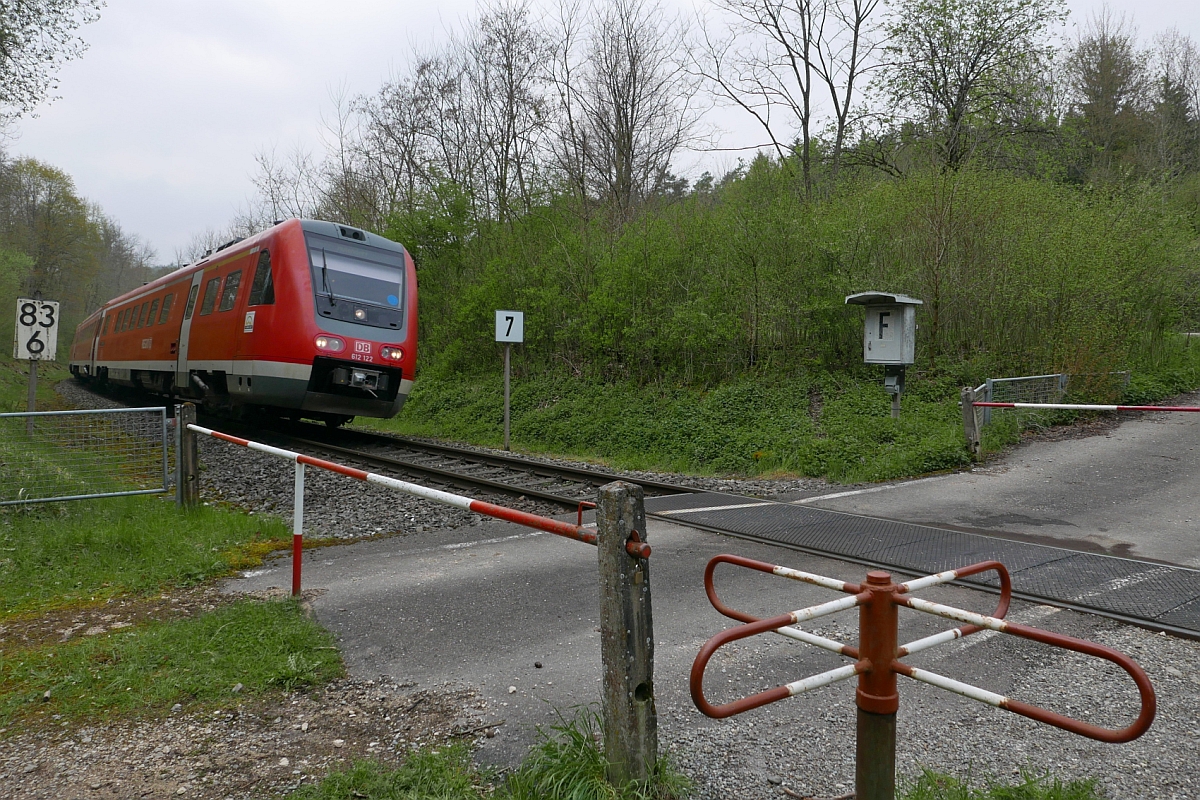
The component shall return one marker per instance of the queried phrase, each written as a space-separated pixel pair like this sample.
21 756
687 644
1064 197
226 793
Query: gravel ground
801 748
806 745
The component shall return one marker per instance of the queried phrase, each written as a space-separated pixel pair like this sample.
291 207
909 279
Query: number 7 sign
510 326
35 335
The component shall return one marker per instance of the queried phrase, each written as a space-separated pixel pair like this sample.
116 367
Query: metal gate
76 455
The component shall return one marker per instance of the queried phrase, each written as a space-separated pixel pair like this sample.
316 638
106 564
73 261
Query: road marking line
712 508
870 490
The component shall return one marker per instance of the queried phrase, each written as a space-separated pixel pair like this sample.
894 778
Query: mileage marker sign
35 335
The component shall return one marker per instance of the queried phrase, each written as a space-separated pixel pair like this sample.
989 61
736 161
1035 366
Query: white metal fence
1052 388
77 455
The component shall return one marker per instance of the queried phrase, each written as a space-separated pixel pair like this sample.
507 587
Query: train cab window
191 303
153 312
262 288
166 308
229 296
211 290
141 320
125 319
107 319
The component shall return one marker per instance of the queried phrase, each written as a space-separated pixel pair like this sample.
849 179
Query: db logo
362 347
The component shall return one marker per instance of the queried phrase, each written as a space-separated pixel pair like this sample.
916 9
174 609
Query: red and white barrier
570 531
1085 407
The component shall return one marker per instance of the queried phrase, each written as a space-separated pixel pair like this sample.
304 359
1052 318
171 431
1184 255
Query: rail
877 660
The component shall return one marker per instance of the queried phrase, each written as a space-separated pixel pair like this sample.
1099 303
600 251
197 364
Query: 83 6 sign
35 335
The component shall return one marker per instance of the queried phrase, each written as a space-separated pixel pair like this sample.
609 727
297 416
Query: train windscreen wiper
325 279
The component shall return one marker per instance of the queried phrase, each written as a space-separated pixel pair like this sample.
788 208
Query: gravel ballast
798 748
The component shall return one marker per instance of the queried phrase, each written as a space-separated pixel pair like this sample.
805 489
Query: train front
364 294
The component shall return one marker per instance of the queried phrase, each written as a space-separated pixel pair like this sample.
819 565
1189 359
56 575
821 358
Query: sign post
510 327
35 337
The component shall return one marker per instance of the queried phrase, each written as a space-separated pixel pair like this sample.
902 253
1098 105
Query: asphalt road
1133 492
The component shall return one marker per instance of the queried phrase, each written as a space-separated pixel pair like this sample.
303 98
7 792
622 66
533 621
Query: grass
61 554
566 764
147 669
14 384
937 786
836 426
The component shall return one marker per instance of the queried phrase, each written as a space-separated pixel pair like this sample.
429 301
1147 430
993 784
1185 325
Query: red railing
877 659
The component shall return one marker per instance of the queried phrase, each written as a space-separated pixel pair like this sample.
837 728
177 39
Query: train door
182 379
96 343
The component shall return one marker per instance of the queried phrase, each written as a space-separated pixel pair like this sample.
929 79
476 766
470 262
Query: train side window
107 319
229 296
125 319
153 312
191 303
166 309
211 290
262 288
141 320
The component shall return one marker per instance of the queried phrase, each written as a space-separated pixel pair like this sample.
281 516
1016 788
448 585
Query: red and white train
306 319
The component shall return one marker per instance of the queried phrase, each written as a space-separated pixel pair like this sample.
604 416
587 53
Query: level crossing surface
1159 596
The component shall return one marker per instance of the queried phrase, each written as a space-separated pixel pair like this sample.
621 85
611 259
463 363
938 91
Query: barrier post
970 421
629 715
297 529
876 697
187 458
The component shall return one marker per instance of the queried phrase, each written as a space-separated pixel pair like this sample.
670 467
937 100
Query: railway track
447 466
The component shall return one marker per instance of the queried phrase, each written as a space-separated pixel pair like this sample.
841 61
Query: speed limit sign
35 335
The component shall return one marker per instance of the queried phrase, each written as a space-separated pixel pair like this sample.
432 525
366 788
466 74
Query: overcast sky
160 120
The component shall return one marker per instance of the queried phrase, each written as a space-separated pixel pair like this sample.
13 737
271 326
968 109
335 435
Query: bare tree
764 64
627 100
845 52
507 98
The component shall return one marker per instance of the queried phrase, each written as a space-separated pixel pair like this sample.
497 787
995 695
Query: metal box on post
890 333
889 336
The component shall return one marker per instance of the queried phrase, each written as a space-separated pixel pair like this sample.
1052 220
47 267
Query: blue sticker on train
393 300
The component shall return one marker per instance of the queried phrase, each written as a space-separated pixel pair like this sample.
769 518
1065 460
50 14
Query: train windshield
339 275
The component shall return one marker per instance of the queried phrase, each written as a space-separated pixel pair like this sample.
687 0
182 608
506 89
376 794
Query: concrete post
187 459
970 420
626 638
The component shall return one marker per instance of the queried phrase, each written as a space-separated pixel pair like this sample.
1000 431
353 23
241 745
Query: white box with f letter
890 333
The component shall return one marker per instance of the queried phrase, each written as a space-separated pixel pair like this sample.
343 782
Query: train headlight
360 314
392 353
330 344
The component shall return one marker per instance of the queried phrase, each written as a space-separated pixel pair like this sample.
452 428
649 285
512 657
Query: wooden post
626 638
970 421
32 400
187 459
